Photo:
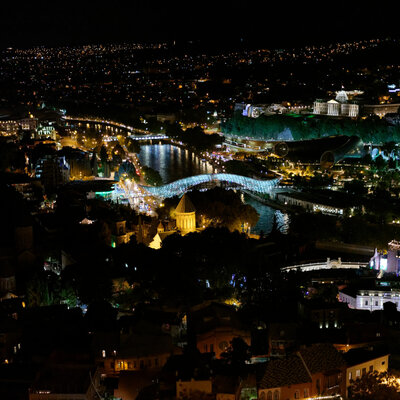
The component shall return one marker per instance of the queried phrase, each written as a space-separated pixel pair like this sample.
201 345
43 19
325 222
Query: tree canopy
194 137
310 127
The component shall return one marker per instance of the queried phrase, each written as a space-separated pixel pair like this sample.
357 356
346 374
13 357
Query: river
174 163
267 214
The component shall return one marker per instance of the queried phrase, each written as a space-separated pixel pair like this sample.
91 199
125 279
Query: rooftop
322 357
185 205
359 356
290 371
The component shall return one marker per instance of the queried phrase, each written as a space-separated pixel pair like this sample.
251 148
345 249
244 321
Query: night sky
259 22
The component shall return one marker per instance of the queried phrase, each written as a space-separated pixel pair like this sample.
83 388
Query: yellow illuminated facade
185 215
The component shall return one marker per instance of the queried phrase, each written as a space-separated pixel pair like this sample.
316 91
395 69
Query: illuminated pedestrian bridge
180 186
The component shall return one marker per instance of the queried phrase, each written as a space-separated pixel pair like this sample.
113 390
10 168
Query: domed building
185 215
341 96
340 106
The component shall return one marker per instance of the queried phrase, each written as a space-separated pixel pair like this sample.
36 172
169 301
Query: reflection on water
267 217
174 163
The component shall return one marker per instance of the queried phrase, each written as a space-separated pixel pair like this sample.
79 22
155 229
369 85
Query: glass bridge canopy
180 186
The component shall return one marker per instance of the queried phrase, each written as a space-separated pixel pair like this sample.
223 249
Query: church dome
341 96
185 205
185 215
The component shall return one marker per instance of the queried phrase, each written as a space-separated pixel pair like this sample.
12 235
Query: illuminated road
115 124
138 198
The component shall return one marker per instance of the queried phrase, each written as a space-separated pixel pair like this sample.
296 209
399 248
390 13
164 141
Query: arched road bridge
180 186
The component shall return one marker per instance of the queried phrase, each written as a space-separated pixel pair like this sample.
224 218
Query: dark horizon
215 24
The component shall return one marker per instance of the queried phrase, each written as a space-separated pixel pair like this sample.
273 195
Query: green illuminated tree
301 127
46 288
38 293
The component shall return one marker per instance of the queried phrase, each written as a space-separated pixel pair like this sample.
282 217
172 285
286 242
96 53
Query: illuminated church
185 215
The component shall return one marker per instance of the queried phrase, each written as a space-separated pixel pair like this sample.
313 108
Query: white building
371 300
393 256
312 203
339 106
320 107
387 261
380 109
255 110
323 265
349 109
333 107
46 130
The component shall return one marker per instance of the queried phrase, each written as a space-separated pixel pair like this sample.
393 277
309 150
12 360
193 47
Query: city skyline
199 201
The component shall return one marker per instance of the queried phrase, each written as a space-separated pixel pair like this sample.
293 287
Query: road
106 122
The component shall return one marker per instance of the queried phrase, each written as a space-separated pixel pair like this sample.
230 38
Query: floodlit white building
255 110
314 203
340 106
388 261
371 300
325 265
